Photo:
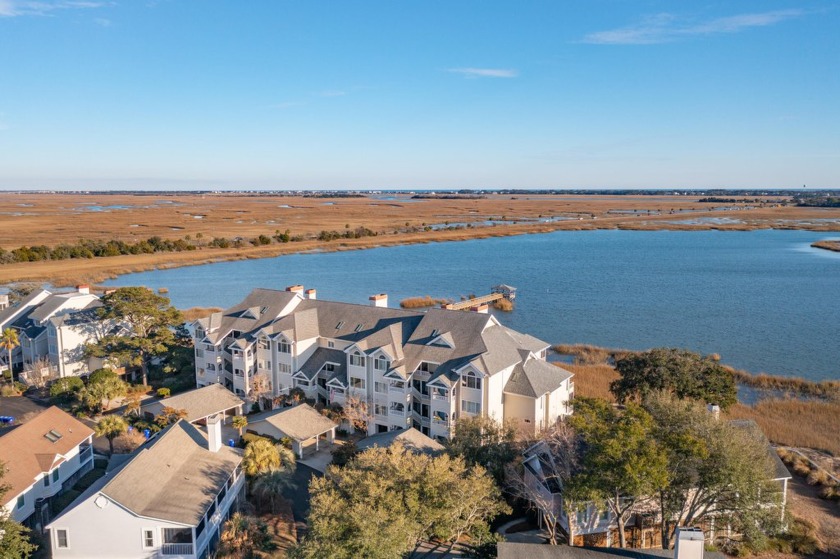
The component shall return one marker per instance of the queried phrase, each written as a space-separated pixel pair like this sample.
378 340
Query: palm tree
260 457
242 536
240 422
272 484
9 341
111 426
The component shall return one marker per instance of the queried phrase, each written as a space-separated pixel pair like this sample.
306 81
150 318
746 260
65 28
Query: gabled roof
320 357
535 377
28 452
174 476
266 304
199 403
411 438
29 301
300 422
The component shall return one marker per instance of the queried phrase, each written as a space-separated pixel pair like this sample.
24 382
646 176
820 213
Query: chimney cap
297 288
378 297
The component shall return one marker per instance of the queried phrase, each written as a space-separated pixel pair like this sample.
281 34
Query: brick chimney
691 543
214 432
295 289
311 294
378 300
483 309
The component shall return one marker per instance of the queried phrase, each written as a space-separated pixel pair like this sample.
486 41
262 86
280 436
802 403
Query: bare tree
357 413
260 388
40 373
539 479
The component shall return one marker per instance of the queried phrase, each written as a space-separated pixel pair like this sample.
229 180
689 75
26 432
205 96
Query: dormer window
381 363
357 359
471 380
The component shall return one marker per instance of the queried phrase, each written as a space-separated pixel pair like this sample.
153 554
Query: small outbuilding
200 403
411 439
303 424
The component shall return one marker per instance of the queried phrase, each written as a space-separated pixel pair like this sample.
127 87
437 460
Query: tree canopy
387 500
485 442
680 372
621 463
148 323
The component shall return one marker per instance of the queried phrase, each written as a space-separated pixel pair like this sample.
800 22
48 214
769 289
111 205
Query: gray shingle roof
535 377
10 312
174 476
300 423
199 403
321 356
268 303
411 438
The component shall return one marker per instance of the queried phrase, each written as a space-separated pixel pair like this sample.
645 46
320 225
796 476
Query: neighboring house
55 327
303 424
199 404
588 525
411 439
168 500
43 457
412 369
689 545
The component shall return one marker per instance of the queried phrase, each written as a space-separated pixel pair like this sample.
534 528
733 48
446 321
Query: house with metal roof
411 369
169 499
44 457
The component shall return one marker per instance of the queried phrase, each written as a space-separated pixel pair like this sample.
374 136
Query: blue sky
419 94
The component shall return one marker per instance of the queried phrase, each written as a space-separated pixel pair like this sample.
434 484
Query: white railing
400 413
443 397
176 549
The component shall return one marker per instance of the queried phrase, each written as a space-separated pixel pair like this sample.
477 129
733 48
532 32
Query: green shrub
66 388
163 392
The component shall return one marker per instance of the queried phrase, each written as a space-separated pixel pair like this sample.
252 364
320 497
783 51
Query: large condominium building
412 369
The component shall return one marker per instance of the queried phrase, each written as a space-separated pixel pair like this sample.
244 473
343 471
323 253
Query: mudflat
54 218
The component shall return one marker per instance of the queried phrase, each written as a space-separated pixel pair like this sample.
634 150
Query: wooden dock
498 292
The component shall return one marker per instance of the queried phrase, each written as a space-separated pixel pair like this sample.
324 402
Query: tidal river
764 300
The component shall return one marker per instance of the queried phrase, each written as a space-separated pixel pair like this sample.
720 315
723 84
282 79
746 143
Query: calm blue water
765 300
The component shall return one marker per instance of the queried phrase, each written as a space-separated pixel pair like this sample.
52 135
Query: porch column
299 446
317 440
331 436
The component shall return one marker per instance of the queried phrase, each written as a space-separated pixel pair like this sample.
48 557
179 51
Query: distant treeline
87 248
818 201
448 197
717 200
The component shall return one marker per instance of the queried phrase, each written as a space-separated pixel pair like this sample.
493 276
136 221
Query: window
200 528
381 363
47 480
284 368
380 409
199 352
284 347
427 367
329 367
397 385
471 381
21 502
357 383
330 343
301 382
148 538
177 535
380 387
61 539
268 364
357 359
262 343
55 474
470 407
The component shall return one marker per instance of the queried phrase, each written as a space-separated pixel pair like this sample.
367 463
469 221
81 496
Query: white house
43 457
55 327
168 500
412 369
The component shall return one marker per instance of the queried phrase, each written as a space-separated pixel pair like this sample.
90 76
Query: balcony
441 397
176 549
397 412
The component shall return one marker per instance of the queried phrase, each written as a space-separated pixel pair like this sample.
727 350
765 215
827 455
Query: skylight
53 435
357 328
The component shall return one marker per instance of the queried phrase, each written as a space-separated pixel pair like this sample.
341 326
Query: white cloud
484 72
666 28
14 8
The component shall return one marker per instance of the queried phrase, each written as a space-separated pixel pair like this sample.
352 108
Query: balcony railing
176 549
394 411
442 397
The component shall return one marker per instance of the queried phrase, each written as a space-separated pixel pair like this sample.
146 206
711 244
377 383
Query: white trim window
380 387
381 363
357 383
470 407
262 343
148 538
471 380
357 359
284 368
62 538
284 346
